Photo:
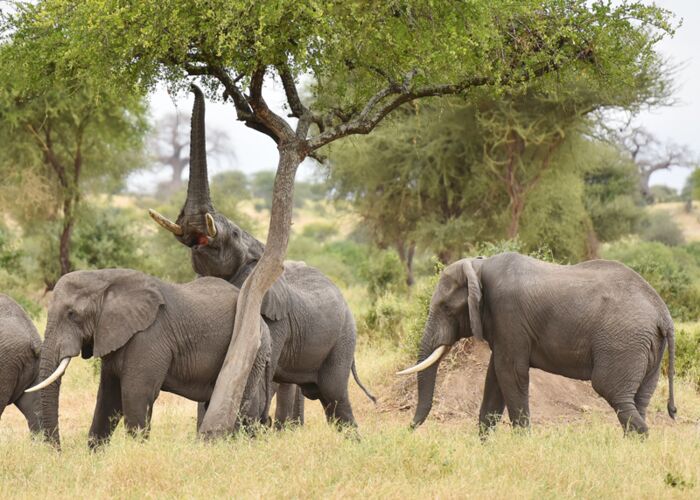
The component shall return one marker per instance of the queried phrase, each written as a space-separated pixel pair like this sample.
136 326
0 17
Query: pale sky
254 151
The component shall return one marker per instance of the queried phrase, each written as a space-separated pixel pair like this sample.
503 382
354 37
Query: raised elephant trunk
196 215
198 197
436 346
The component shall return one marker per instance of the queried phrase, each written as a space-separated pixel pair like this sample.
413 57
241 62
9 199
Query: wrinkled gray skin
20 345
150 336
597 321
312 329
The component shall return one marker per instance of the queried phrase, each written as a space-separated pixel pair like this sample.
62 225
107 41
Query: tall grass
447 460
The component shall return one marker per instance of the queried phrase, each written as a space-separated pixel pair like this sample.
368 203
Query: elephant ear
474 299
275 305
130 305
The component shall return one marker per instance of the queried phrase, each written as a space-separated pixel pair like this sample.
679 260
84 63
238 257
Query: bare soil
460 388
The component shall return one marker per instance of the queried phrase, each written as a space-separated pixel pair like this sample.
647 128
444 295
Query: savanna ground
568 453
575 449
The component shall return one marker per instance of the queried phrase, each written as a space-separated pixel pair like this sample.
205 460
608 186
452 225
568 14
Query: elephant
597 320
20 346
303 309
151 336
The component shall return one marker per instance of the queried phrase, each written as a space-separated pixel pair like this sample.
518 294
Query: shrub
670 271
660 226
104 238
384 274
687 349
319 231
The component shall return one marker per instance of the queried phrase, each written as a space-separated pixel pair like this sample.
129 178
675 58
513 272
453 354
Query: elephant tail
671 337
357 380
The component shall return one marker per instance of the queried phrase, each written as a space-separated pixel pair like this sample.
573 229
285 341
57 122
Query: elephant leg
513 378
645 391
108 410
29 405
493 403
201 411
617 377
290 406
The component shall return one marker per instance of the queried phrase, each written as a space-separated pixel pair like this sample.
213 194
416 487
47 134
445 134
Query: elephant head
86 315
219 247
455 312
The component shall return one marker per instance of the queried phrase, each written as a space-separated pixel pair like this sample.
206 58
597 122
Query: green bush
319 231
671 271
687 358
104 238
660 226
384 274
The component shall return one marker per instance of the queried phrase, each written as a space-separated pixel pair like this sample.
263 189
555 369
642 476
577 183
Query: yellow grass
446 460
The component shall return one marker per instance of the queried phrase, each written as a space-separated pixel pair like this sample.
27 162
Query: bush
671 271
384 274
660 226
687 349
319 231
104 238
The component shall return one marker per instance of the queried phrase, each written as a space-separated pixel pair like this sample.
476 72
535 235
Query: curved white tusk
211 225
427 362
53 377
166 223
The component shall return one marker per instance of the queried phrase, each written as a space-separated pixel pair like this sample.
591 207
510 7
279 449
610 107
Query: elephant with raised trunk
597 321
304 310
20 345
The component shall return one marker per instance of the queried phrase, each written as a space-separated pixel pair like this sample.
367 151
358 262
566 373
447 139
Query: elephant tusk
166 223
53 377
211 225
427 362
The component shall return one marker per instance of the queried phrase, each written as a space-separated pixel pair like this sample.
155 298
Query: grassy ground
447 460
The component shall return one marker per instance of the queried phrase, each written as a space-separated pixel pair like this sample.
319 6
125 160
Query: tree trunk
222 413
517 206
65 239
406 253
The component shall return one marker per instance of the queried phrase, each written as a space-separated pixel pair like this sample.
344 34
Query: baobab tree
169 143
651 155
364 63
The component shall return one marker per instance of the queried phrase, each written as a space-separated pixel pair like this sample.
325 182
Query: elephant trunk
198 197
50 395
431 343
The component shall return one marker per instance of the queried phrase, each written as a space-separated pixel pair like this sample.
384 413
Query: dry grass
447 460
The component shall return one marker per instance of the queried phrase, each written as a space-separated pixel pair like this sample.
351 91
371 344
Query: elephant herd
597 321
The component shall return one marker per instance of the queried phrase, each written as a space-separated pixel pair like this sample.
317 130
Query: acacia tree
57 134
365 62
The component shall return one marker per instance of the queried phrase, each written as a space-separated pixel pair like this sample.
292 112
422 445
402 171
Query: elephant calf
20 345
597 321
150 336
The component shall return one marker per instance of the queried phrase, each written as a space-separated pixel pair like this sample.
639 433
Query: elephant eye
72 315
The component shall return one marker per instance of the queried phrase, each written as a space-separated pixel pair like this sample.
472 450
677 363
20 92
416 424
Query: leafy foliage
672 272
612 196
660 226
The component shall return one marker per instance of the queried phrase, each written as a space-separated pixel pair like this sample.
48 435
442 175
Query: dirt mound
460 387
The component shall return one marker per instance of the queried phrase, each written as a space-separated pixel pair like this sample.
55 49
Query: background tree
650 155
408 51
59 134
169 143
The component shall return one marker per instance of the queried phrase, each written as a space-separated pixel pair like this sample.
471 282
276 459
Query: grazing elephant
304 310
150 336
20 345
597 321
